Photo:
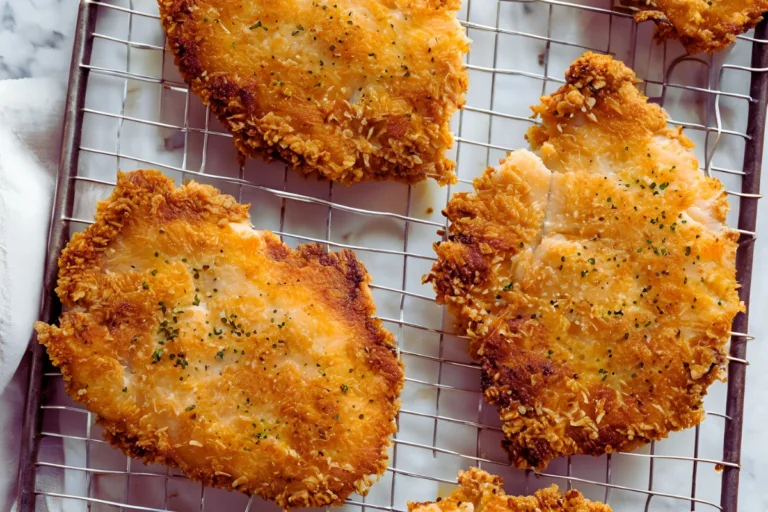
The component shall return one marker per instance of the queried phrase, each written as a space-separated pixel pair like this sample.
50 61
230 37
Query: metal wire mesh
138 113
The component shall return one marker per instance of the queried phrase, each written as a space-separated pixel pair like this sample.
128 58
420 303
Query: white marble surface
36 40
35 37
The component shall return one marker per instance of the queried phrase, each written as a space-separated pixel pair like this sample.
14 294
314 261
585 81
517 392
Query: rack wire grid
127 108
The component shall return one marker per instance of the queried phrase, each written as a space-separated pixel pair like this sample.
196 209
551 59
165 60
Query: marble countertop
36 37
36 40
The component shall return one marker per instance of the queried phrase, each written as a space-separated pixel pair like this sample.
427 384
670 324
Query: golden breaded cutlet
702 25
479 491
352 90
596 278
203 344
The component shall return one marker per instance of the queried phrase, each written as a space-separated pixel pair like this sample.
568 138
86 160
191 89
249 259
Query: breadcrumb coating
203 344
352 90
595 278
702 25
481 492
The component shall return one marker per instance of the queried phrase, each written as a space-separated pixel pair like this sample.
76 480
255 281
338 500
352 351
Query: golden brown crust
203 344
597 280
481 492
352 90
702 25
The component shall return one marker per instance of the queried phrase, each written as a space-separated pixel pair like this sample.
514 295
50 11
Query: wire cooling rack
127 108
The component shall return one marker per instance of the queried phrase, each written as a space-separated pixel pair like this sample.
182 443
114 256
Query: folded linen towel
31 113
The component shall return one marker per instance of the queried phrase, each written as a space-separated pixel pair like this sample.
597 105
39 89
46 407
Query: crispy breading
596 280
479 491
203 344
351 89
700 25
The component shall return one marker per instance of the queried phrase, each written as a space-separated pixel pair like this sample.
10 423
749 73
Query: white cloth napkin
31 113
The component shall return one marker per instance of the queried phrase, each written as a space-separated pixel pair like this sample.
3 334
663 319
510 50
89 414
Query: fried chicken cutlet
203 344
596 278
352 90
702 26
479 491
